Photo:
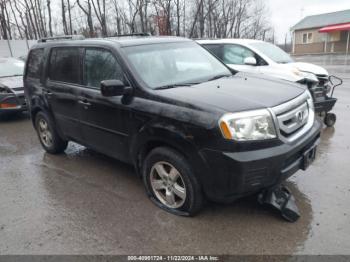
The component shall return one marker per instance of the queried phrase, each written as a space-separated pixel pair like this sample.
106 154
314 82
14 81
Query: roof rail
133 34
63 37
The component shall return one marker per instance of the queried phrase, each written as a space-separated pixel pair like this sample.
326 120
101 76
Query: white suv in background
255 56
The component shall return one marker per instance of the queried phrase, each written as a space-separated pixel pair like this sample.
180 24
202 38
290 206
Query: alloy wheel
168 184
45 133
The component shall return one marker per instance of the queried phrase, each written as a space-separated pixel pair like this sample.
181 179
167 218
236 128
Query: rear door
104 120
64 77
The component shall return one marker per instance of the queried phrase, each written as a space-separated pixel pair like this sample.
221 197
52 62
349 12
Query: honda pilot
192 128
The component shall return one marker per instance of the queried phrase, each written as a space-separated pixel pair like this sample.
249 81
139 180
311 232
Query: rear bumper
235 174
12 103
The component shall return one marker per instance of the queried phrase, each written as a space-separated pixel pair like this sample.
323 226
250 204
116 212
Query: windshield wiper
174 85
218 76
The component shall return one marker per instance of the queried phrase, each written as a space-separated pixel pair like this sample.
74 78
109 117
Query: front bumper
235 174
12 103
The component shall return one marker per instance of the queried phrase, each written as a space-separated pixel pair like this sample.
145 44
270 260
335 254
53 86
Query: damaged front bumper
231 175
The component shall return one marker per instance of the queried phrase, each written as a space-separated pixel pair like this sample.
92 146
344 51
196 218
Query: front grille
291 121
295 117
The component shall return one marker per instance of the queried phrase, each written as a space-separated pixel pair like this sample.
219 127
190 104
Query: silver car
12 98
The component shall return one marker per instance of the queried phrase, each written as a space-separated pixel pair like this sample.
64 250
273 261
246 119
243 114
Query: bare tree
48 3
100 13
87 11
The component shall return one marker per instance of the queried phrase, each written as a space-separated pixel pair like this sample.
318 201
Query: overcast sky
286 13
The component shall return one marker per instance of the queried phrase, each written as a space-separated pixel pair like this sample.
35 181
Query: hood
241 92
12 82
307 67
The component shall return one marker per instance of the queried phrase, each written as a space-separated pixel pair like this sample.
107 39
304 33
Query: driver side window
235 54
99 65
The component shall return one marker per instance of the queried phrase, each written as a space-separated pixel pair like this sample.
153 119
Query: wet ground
84 203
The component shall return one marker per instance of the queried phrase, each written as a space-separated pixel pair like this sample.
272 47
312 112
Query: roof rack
63 37
133 34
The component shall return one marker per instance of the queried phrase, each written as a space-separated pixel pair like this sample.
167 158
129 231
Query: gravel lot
82 202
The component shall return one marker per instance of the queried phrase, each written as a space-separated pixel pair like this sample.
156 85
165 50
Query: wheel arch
169 136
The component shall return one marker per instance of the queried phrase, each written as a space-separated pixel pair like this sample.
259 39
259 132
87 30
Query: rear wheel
330 119
48 136
170 182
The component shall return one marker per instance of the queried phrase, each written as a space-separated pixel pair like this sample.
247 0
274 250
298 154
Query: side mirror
114 88
250 61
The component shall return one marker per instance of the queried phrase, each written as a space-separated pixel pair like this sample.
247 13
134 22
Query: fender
164 133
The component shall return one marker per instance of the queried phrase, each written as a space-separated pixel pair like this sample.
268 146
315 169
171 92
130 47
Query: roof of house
321 20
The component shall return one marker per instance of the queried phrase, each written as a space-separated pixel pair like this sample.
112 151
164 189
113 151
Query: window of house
101 65
307 38
64 65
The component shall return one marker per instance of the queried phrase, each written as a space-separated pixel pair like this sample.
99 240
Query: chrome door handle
85 103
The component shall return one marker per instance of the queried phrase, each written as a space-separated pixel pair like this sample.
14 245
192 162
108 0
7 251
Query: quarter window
64 65
35 63
101 65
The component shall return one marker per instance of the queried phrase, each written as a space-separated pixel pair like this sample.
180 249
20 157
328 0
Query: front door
104 120
234 55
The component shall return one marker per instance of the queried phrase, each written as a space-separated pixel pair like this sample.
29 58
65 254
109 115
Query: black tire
57 145
330 119
193 200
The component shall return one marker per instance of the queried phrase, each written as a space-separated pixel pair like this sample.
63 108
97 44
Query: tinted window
35 63
235 54
215 49
100 65
64 65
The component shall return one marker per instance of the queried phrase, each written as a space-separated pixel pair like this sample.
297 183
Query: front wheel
48 136
170 182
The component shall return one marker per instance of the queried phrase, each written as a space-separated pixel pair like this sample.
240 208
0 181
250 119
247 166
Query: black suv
191 128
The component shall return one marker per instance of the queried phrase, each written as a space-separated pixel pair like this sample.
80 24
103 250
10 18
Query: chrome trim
297 117
288 109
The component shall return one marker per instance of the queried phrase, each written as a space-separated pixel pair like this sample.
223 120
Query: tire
330 119
48 136
178 193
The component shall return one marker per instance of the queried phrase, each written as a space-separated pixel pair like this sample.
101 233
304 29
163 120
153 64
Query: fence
15 48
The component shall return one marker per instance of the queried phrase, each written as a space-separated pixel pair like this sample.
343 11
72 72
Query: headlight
250 125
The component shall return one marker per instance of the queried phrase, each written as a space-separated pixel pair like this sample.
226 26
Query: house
323 33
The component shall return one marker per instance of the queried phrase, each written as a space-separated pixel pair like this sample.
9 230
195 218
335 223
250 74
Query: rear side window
64 65
35 60
101 65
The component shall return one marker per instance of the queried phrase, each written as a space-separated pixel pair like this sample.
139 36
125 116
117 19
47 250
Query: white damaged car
259 57
255 56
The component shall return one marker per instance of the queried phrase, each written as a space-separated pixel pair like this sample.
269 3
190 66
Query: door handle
48 92
85 103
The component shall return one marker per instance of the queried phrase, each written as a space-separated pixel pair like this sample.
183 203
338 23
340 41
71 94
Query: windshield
273 52
174 64
11 67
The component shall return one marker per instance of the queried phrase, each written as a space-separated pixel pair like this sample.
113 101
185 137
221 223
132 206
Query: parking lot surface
82 202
